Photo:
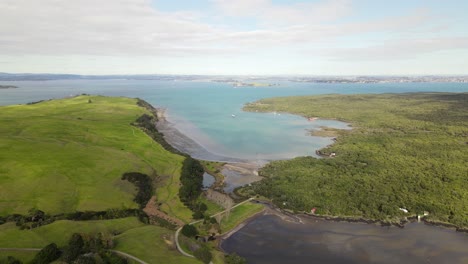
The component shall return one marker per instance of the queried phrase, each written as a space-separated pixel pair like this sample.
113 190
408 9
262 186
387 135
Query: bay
203 111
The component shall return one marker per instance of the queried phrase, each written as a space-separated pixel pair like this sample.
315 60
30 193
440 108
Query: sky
235 37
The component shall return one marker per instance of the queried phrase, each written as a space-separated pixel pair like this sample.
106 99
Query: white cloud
399 49
133 30
96 27
275 14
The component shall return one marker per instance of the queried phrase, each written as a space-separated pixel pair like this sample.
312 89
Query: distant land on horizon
236 79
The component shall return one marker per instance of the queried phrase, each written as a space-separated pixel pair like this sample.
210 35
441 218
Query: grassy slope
60 231
406 150
145 242
67 155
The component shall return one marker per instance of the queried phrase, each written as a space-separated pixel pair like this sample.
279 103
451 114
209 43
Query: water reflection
269 239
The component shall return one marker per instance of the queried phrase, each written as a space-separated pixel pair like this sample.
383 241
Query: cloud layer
137 28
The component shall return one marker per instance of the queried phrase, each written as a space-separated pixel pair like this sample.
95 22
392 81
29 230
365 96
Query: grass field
148 244
404 151
60 232
68 155
132 237
239 214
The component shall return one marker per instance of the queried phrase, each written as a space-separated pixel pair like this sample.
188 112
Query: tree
85 260
233 258
189 231
203 254
74 249
48 254
10 260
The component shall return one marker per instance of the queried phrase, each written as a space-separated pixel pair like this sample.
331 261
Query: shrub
203 254
48 254
189 231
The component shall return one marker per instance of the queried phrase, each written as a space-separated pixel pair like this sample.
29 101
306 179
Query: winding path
180 228
115 251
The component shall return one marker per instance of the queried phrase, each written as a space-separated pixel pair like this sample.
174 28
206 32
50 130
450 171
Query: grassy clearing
405 151
69 155
239 214
213 207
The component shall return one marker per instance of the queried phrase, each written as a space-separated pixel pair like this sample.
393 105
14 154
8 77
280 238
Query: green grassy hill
405 150
68 155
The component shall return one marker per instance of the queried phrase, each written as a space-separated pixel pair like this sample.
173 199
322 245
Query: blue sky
249 37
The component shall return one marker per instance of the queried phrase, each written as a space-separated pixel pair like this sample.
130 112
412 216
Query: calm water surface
270 240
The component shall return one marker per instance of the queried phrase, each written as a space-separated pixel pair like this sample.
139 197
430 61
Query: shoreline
185 144
271 209
249 164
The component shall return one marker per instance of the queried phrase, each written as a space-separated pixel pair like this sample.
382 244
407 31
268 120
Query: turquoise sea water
203 110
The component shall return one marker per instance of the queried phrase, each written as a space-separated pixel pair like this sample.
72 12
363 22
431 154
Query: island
405 158
8 87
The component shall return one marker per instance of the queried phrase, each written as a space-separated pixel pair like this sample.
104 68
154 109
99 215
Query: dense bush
234 259
148 124
203 254
191 179
74 248
405 150
189 231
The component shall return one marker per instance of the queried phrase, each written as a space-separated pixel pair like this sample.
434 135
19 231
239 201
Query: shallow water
208 180
234 179
269 239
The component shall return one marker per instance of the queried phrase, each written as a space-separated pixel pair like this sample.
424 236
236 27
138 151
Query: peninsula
8 87
404 157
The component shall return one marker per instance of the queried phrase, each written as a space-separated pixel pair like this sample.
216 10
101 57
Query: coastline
185 144
242 165
271 209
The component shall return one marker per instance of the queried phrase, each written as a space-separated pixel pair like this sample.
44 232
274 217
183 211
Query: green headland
96 166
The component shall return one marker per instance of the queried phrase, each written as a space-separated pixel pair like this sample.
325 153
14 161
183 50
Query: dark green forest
404 151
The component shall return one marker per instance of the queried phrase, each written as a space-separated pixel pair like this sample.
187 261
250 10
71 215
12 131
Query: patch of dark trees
81 248
162 222
144 184
37 218
191 179
148 124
